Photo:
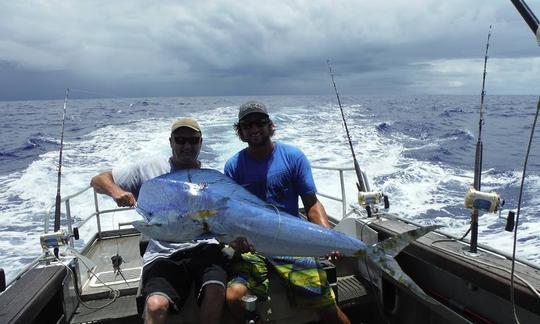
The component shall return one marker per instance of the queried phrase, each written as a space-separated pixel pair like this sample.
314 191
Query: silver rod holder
69 224
97 214
343 196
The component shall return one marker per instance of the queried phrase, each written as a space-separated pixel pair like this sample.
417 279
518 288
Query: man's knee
157 304
236 292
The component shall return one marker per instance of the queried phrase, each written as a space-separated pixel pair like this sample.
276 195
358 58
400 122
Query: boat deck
126 244
97 288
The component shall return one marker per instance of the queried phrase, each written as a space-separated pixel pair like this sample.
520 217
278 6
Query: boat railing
343 198
97 213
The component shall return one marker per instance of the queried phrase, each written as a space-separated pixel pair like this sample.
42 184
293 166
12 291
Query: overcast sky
138 48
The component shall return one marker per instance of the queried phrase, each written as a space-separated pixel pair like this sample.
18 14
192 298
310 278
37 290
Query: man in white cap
278 174
170 268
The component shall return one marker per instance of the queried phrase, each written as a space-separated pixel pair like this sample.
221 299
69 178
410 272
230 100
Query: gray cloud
171 48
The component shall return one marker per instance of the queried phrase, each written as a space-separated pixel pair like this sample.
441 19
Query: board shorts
172 277
306 281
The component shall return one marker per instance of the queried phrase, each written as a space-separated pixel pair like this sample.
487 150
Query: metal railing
343 198
97 213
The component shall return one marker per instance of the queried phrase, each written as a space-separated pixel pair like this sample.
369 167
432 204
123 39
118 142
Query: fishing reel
56 239
370 200
485 201
490 202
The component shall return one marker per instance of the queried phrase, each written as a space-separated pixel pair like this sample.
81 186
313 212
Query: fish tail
392 269
393 245
382 256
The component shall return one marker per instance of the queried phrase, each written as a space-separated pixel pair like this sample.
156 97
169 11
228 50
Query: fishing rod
359 175
57 208
475 199
366 197
479 144
58 184
58 202
58 237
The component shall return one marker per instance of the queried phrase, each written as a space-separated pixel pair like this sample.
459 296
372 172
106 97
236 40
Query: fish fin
202 215
392 269
382 255
146 215
393 245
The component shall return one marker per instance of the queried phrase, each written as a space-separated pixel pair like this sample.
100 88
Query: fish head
164 197
175 210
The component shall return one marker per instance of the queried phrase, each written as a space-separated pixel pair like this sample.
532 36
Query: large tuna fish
187 204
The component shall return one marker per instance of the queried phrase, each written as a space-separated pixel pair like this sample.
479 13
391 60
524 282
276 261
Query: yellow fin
203 214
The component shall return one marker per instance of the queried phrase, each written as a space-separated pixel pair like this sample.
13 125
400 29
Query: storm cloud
190 48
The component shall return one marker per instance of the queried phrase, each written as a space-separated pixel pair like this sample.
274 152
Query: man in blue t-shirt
278 174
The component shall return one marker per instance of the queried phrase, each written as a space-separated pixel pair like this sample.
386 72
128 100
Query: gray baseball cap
251 107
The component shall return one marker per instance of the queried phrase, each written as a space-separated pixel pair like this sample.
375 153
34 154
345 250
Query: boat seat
36 296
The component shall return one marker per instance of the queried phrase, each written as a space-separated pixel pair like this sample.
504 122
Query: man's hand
125 199
104 183
241 245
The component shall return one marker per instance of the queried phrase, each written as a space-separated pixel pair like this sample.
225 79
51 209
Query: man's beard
186 159
265 140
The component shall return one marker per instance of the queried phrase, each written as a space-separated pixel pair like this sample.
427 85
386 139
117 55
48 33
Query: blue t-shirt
279 180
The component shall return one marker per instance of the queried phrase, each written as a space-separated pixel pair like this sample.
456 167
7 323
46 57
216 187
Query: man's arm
317 214
104 183
315 211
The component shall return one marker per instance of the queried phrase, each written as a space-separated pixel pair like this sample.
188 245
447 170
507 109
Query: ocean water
418 149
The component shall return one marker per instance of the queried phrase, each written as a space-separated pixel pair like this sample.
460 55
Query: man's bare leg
234 301
212 304
156 309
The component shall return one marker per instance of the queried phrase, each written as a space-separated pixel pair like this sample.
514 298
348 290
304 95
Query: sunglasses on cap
258 122
183 140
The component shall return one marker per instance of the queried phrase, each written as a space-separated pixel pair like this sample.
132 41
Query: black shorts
172 277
